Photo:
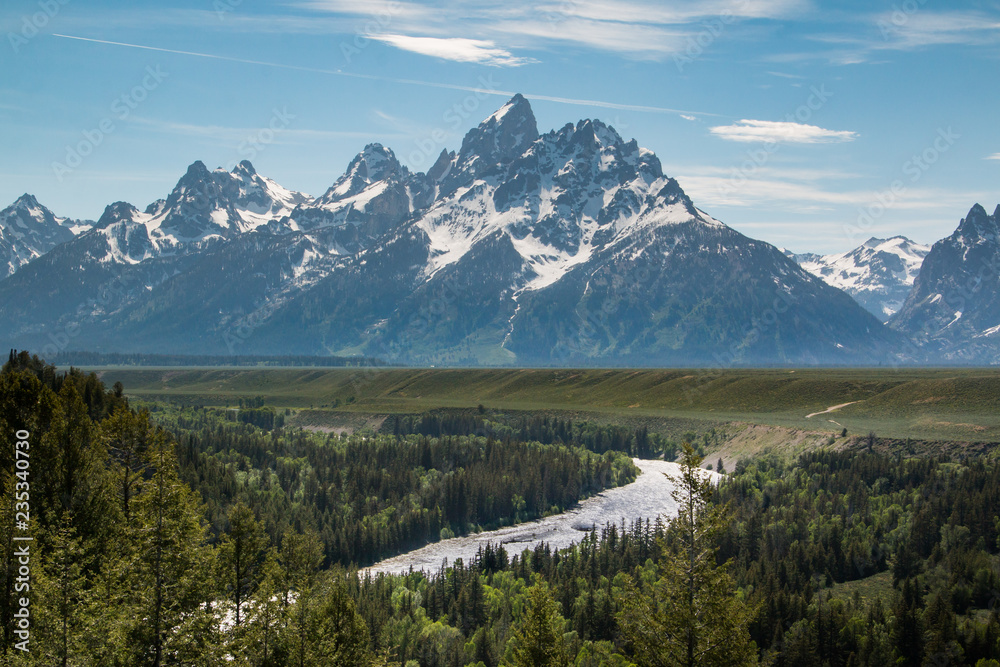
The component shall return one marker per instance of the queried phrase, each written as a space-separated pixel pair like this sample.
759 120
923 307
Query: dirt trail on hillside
832 408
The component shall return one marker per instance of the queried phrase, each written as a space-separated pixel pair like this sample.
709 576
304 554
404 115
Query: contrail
413 82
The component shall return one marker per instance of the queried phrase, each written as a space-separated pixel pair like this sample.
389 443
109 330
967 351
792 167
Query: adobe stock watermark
710 31
754 332
240 333
32 25
914 169
899 17
758 157
561 12
121 108
703 39
223 7
255 143
453 119
365 34
110 295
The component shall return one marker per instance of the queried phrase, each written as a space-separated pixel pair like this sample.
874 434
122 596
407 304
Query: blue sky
812 125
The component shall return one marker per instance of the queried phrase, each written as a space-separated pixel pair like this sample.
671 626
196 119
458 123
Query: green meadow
929 404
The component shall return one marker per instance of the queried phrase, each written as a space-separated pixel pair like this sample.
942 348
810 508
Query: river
647 497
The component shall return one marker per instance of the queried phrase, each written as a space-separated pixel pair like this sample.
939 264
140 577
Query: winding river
645 498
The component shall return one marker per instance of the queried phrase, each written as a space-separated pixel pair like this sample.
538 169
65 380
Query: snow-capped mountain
954 308
29 230
569 247
879 274
205 206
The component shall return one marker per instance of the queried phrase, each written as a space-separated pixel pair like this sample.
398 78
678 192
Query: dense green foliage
547 430
801 530
839 559
370 496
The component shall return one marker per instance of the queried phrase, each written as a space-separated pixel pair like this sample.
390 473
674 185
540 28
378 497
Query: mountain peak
374 163
197 169
245 168
117 212
598 132
516 107
26 201
978 224
504 135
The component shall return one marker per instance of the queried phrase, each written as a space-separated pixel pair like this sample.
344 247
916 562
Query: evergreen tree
537 640
128 436
692 615
258 642
241 555
170 570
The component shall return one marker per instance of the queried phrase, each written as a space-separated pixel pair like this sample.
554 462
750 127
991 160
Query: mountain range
29 230
879 273
570 247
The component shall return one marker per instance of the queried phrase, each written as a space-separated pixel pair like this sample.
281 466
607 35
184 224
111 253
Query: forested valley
205 536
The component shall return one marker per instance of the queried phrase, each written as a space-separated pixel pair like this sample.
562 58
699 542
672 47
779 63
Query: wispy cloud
780 193
785 75
224 135
458 49
995 156
634 28
415 82
874 35
781 132
923 28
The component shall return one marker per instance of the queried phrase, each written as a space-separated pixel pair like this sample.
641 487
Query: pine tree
907 627
258 642
128 436
537 640
241 555
692 615
170 570
341 636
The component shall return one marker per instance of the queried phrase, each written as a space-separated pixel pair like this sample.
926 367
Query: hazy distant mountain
879 274
954 308
569 247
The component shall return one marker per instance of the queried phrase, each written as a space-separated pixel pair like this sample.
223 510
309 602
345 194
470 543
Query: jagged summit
117 212
28 229
373 164
879 273
245 167
25 201
569 247
979 225
503 135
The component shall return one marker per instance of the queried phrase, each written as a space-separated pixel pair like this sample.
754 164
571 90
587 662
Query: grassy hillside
935 404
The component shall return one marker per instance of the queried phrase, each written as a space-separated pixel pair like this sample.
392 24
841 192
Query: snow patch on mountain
878 274
29 230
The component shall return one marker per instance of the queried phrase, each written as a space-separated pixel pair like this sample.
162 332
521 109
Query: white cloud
924 28
458 49
995 156
781 132
687 117
900 31
641 29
